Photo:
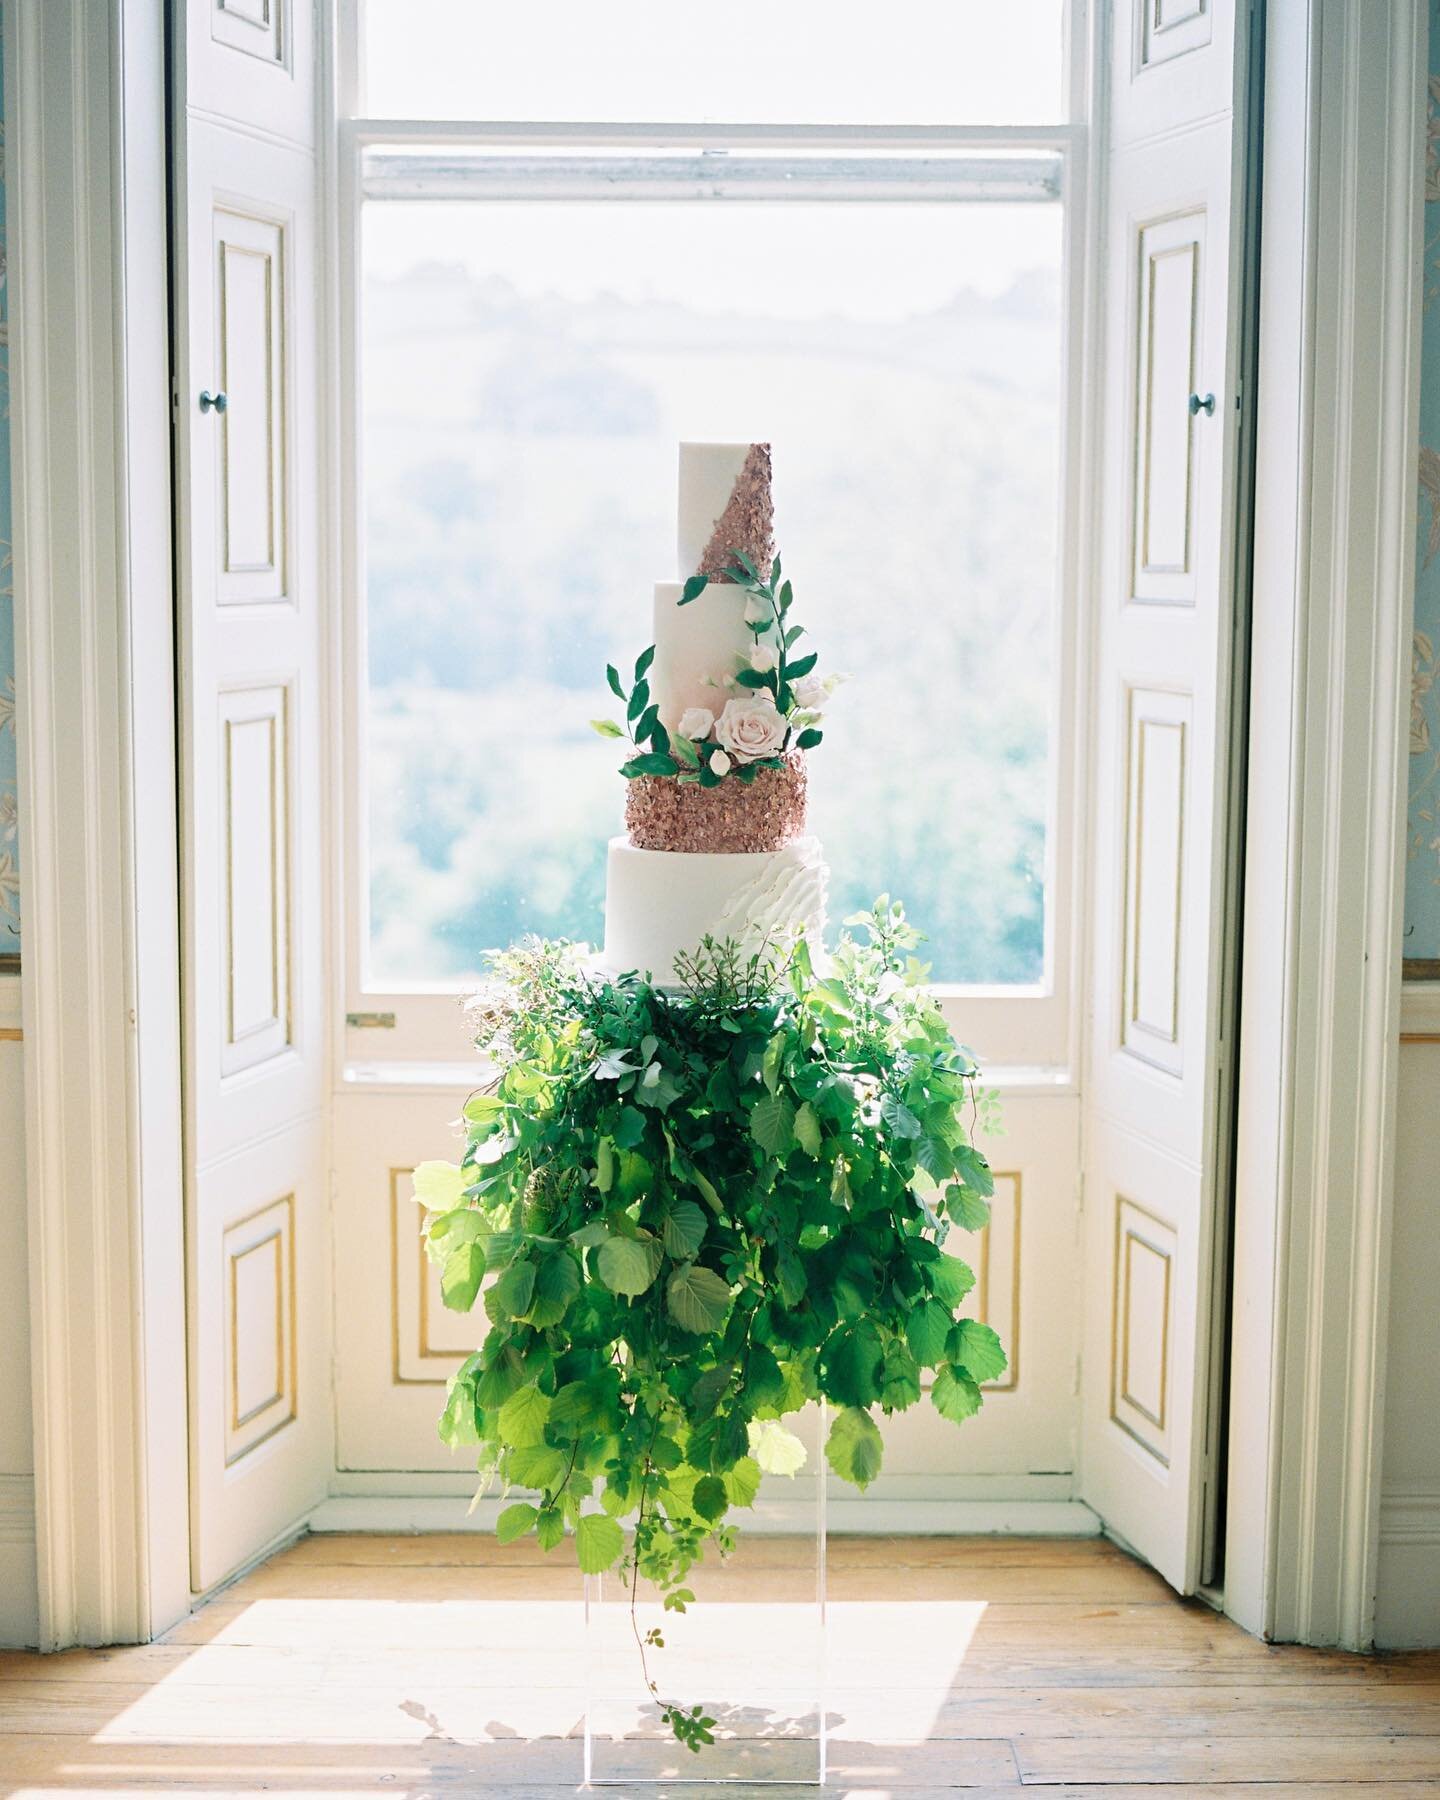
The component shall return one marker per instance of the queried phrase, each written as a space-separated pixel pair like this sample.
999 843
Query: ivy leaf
512 1293
549 1527
772 1124
710 1498
698 1298
557 1282
899 1118
899 1379
742 1483
438 1185
969 1210
612 675
950 1280
461 1277
854 1448
684 1229
523 1416
977 1350
607 728
776 1450
693 589
955 1395
807 1129
850 1364
926 1329
515 1521
598 1542
628 1265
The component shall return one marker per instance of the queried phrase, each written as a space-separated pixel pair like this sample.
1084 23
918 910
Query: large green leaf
684 1229
899 1379
854 1448
549 1527
628 1265
742 1482
969 1210
438 1185
461 1277
710 1498
512 1293
955 1395
538 1466
950 1280
777 1450
598 1542
557 1282
515 1521
926 1329
698 1298
850 1364
807 1129
523 1416
772 1124
977 1350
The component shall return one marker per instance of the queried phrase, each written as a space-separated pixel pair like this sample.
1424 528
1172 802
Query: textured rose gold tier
732 819
747 523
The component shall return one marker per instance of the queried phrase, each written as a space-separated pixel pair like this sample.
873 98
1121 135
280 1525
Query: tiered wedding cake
722 713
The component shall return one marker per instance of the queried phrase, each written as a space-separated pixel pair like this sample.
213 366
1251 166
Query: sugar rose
696 722
750 728
810 692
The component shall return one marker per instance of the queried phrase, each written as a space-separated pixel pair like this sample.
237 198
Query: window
545 310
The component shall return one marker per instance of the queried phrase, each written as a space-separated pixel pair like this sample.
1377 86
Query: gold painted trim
1130 923
423 1348
1011 1379
11 1034
239 1420
1116 1395
1132 1238
1406 1037
277 718
273 398
289 1315
1420 968
1145 403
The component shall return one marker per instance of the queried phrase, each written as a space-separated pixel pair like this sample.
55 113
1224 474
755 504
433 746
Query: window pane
528 372
925 62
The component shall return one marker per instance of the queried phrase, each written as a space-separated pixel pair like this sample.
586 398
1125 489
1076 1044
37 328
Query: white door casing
1155 1077
250 683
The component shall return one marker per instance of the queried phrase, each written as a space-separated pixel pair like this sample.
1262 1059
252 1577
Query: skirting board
19 1600
886 1518
1407 1603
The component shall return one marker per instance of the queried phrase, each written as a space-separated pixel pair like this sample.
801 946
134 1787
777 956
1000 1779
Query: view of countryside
528 372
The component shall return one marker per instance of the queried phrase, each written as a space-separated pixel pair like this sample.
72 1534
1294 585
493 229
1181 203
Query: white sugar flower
719 762
696 722
764 658
750 728
810 692
756 610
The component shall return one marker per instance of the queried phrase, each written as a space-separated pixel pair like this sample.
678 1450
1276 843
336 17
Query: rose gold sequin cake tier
662 813
747 523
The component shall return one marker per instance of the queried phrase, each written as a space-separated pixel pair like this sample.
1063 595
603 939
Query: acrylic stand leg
750 1651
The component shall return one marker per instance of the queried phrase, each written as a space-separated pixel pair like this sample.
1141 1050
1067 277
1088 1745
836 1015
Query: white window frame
1026 1034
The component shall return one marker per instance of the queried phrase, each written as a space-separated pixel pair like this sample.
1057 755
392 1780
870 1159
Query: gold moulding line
11 1034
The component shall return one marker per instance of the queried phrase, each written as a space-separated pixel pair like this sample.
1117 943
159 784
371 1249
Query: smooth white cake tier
659 903
707 638
708 473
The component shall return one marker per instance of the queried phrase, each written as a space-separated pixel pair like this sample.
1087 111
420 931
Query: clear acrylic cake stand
751 1651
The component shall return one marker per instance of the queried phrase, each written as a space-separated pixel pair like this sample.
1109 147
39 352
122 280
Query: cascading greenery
703 1210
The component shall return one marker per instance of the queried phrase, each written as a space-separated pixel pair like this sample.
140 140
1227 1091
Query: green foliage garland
701 1211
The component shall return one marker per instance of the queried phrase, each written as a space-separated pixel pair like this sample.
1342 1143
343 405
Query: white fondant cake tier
696 646
708 473
660 903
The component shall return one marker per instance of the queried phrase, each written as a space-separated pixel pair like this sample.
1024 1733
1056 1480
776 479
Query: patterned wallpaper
1422 875
9 829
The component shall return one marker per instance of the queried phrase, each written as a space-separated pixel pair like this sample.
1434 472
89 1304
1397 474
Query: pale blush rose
763 658
719 762
750 727
810 692
696 722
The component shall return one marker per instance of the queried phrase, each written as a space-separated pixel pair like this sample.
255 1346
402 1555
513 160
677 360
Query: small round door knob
221 401
1197 405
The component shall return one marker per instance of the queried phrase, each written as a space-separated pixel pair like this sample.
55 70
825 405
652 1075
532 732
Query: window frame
403 1035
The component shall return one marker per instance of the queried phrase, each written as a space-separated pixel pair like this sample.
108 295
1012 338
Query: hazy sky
810 61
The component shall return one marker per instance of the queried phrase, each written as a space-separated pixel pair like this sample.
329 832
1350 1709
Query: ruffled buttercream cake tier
735 818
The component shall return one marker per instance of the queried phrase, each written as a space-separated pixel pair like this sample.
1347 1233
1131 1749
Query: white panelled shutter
1156 1088
250 667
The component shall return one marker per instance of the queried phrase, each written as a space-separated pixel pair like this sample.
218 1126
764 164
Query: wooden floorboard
409 1666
